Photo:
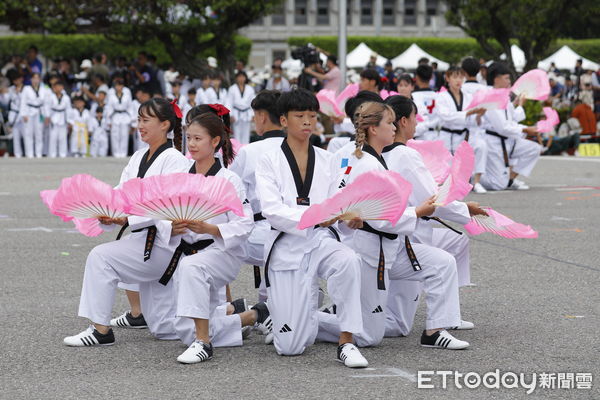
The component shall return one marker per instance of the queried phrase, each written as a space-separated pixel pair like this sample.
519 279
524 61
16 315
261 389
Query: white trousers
524 155
57 141
18 131
79 140
33 136
293 296
123 261
199 280
404 295
439 278
241 131
496 174
119 139
99 144
373 303
254 254
477 142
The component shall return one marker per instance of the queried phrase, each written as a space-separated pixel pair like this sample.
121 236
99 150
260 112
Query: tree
534 24
186 28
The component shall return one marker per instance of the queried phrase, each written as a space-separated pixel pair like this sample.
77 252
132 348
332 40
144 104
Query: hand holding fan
181 197
374 195
499 224
534 85
436 157
490 99
552 119
328 104
457 185
83 196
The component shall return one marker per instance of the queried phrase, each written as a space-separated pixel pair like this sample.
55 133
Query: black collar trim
302 188
145 163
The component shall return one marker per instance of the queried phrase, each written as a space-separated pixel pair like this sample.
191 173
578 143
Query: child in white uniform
266 120
31 112
240 97
288 179
15 121
218 243
118 108
126 260
57 107
79 118
99 130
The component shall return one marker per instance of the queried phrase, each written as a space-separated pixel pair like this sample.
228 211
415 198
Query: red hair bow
384 79
220 109
176 109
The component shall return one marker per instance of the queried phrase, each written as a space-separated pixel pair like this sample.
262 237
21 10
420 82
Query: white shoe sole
99 344
193 362
355 366
444 348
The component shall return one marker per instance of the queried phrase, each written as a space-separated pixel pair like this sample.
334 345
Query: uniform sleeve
280 216
235 232
519 114
239 163
447 113
501 125
457 211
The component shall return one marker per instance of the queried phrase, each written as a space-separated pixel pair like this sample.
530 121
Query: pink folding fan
499 224
552 119
457 186
490 99
181 197
534 85
328 104
435 155
374 195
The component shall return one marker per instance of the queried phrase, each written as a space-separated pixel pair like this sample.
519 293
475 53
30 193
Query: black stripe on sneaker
87 341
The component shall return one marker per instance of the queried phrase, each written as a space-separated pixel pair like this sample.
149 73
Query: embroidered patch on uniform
344 163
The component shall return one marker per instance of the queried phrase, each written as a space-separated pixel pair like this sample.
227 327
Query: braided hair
368 114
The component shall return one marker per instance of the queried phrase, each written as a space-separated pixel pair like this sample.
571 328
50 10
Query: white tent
518 57
359 57
565 58
410 58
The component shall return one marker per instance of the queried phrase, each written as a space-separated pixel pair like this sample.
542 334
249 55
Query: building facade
408 18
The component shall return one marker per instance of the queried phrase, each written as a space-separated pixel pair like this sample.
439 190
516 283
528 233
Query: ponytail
177 134
227 148
368 114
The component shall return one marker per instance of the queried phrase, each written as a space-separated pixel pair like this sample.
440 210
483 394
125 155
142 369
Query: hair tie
220 109
176 109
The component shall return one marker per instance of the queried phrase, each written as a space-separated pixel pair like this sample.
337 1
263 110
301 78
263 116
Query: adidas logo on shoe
285 329
377 310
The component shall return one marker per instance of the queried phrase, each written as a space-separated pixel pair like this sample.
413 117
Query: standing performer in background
240 97
57 107
79 118
31 111
118 108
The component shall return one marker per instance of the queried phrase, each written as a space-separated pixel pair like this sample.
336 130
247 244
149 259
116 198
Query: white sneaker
443 340
90 337
518 185
126 320
464 326
348 354
479 189
197 352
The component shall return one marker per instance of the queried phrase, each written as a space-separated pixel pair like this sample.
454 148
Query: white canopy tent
518 57
565 58
410 58
359 57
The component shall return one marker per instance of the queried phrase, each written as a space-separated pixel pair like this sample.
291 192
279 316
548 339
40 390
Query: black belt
457 132
257 279
150 237
34 106
242 110
258 217
503 142
381 264
443 223
59 110
183 248
279 236
411 255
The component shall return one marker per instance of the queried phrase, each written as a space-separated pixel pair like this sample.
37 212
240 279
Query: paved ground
535 306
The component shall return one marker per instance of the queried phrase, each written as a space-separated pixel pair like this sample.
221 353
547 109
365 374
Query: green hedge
85 46
447 49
